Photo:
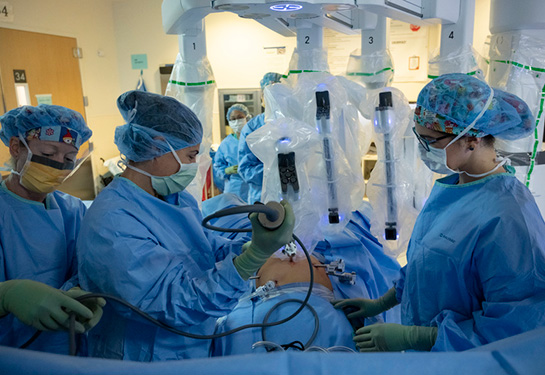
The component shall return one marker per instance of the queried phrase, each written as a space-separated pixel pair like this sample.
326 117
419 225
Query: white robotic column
455 37
372 65
192 83
192 43
456 53
310 55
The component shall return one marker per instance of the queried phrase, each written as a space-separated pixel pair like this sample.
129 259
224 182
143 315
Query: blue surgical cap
153 122
451 102
269 78
51 122
238 107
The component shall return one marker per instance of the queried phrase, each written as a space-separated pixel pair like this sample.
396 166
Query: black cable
235 211
316 322
294 344
205 337
72 338
226 212
31 340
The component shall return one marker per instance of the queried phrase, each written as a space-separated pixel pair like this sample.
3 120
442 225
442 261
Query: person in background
38 229
476 258
142 240
226 158
250 168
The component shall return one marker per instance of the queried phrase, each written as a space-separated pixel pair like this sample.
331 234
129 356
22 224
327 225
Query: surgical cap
451 103
153 122
269 78
238 107
46 122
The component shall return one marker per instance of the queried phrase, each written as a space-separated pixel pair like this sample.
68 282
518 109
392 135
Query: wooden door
52 69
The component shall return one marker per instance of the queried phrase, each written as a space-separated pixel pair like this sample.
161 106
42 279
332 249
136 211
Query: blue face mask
167 185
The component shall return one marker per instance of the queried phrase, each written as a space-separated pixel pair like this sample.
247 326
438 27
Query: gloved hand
40 306
93 304
232 169
264 242
391 337
368 307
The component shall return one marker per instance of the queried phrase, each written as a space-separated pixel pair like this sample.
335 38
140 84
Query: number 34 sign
6 12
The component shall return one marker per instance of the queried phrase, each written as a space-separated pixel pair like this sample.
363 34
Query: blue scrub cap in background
153 122
451 102
269 78
45 122
238 107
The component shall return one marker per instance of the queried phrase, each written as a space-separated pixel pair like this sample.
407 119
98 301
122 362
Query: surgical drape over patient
153 122
452 102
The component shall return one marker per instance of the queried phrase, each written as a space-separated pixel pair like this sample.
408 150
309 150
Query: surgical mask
41 174
436 158
167 185
237 124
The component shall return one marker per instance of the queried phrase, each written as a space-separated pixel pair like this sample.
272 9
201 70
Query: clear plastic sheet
372 71
291 114
409 179
517 65
465 60
306 61
193 84
284 136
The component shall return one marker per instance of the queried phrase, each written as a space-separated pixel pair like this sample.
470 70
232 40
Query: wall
235 48
92 24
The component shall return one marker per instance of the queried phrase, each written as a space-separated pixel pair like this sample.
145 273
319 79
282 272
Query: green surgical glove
41 306
93 304
391 337
264 243
368 307
232 169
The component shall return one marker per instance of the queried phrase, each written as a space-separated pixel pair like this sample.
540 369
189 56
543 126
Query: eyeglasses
425 142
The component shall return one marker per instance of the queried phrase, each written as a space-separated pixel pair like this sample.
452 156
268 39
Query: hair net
451 102
238 107
152 121
269 78
59 121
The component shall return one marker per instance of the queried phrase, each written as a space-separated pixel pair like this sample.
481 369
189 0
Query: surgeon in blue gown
250 168
476 258
38 229
225 164
142 240
362 254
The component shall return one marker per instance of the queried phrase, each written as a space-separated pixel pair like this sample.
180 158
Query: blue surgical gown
249 166
155 255
227 156
375 274
38 242
217 181
476 263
